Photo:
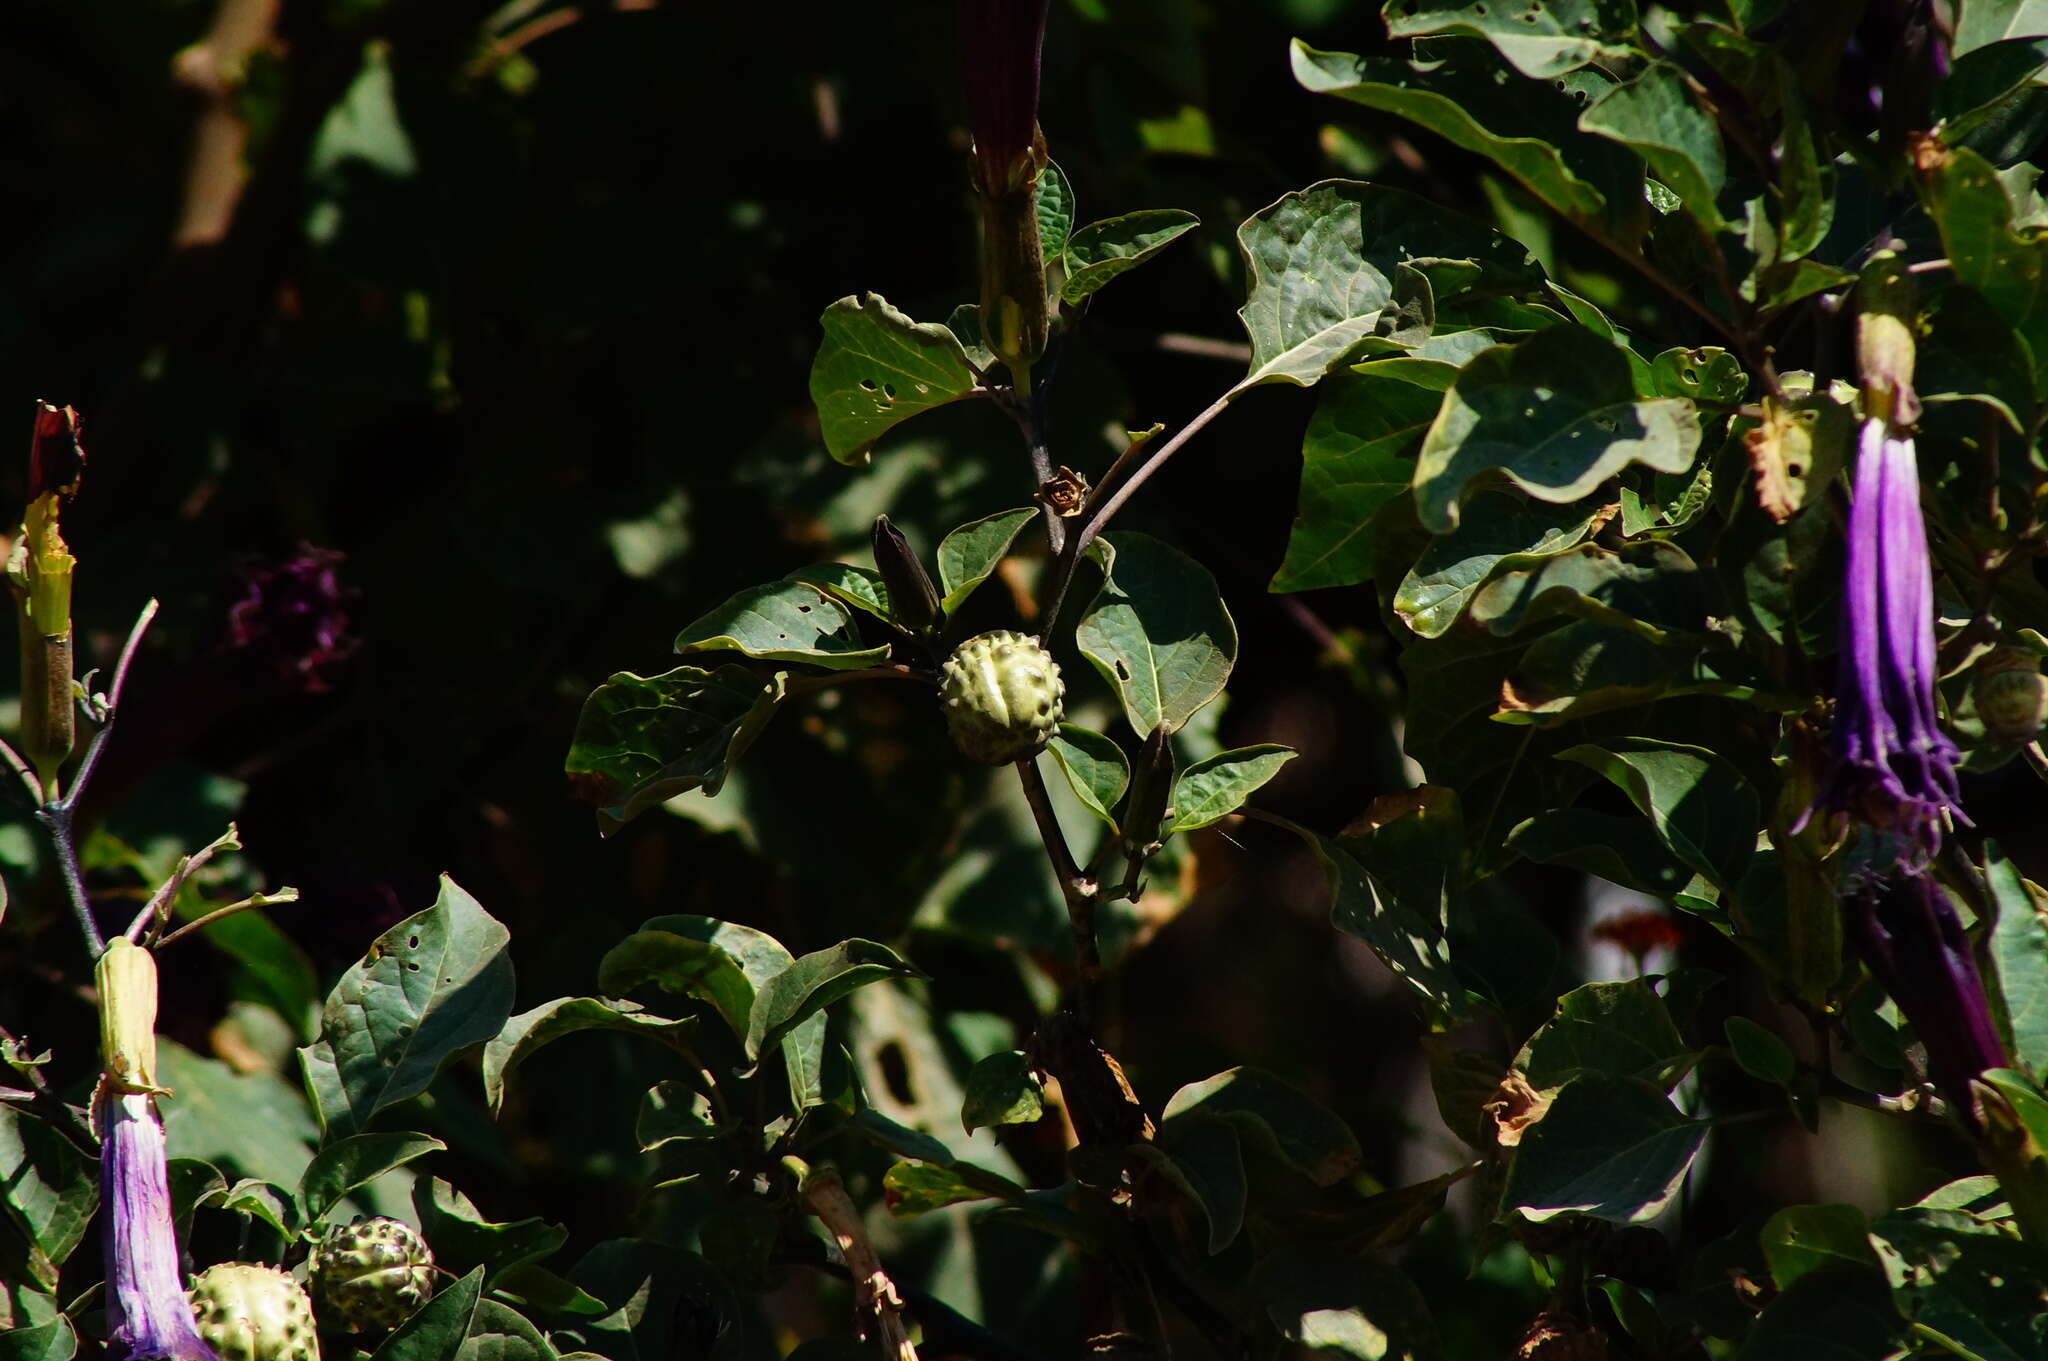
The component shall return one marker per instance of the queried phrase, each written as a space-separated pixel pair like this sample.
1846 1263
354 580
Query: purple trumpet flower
1003 40
1894 768
147 1315
1908 933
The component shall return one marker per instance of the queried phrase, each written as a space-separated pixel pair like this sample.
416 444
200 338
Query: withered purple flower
1908 933
1003 40
293 614
1894 768
147 1316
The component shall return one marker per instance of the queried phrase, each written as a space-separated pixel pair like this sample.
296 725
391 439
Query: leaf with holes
1101 251
1095 766
1216 786
969 554
1357 459
646 739
1541 38
1526 128
433 985
783 621
1323 263
1557 415
1159 633
877 368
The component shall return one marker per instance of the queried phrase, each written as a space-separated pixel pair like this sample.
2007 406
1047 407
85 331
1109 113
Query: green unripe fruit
2013 704
254 1313
1002 697
372 1273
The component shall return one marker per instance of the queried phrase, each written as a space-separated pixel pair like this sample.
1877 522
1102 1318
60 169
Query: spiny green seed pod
2013 702
372 1273
254 1313
1002 696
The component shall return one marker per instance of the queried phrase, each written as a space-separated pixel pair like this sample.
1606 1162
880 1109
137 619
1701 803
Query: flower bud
40 571
1884 340
1003 40
913 600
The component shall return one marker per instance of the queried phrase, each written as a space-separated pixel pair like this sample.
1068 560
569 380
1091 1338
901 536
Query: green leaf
650 738
499 1332
783 621
1609 1147
1204 1158
1836 1314
1603 844
525 1034
2019 958
1705 373
1523 127
252 1124
192 1182
1095 766
1965 1279
1801 1239
1618 1030
1217 786
1541 38
856 586
970 553
266 1201
760 957
53 1339
876 368
1557 414
1970 206
687 965
1274 1117
1982 81
438 1329
673 1112
358 1160
1659 117
815 981
1100 251
1053 197
1158 631
1761 1053
1357 460
463 1238
47 1195
1513 533
1631 589
433 985
1705 813
1002 1089
911 1189
1404 922
1323 261
1336 1306
1989 21
540 1288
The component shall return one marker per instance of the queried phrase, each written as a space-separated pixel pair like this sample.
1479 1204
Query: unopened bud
126 979
1884 340
913 600
40 572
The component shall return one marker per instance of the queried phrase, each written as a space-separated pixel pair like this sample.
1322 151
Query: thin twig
20 767
1076 888
1916 1105
1109 498
875 1295
810 685
110 706
283 895
158 908
56 822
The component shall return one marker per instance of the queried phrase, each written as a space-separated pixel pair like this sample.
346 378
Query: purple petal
147 1315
